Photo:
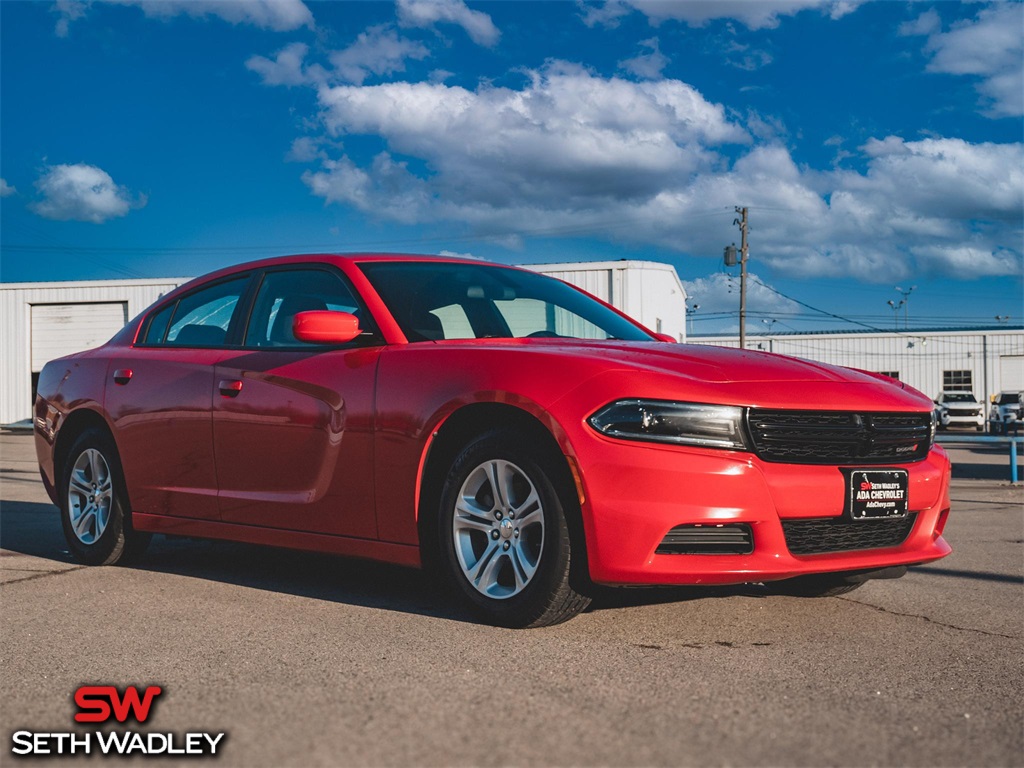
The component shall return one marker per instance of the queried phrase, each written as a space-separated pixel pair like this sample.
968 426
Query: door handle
230 387
122 376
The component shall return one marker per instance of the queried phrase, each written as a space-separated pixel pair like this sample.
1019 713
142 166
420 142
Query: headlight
661 421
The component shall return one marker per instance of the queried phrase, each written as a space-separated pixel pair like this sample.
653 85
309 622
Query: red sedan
509 431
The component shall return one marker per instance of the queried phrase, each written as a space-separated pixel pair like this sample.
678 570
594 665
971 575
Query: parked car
1006 413
959 409
503 429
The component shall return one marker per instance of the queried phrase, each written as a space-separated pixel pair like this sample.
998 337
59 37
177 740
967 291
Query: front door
293 422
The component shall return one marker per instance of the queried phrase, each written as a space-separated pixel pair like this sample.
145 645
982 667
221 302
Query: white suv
959 409
1006 412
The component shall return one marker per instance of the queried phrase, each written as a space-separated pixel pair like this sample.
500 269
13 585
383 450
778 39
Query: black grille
839 437
731 539
839 534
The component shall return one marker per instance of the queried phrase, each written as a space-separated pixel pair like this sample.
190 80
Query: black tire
552 593
116 543
818 585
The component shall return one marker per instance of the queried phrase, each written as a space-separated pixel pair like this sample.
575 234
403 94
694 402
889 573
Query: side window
158 325
284 294
202 318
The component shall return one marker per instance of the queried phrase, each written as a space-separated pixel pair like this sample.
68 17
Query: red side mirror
323 327
665 337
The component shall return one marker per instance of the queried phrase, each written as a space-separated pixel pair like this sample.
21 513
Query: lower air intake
731 539
838 534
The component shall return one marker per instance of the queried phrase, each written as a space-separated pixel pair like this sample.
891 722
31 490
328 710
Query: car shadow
34 529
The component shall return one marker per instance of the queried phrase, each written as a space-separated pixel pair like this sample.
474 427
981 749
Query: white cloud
428 13
989 47
68 11
377 51
647 65
925 24
567 135
720 292
755 14
569 152
276 15
305 149
6 190
457 255
286 68
82 193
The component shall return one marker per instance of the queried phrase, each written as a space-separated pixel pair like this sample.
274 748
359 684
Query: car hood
710 364
698 373
716 364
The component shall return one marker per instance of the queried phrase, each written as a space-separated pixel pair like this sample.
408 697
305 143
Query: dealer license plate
878 493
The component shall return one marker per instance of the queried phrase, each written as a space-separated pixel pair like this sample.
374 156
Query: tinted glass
283 295
158 325
202 318
959 399
434 301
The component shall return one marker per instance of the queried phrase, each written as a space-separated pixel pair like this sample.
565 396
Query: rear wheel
94 507
504 540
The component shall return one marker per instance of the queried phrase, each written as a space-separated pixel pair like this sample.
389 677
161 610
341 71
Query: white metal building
647 291
983 360
42 321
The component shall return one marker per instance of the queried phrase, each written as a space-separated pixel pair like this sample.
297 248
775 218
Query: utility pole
742 222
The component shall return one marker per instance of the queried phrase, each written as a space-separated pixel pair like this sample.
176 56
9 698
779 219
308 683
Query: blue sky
877 144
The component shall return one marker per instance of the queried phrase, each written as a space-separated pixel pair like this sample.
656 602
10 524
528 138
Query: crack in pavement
928 619
42 575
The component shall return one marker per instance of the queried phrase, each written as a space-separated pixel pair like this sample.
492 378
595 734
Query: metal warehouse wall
647 291
16 302
993 356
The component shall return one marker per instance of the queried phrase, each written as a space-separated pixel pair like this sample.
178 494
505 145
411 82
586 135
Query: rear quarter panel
66 385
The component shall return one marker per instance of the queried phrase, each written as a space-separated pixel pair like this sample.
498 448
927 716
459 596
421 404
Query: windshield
958 397
1006 398
433 301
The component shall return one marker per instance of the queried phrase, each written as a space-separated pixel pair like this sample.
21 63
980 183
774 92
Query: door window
202 318
284 294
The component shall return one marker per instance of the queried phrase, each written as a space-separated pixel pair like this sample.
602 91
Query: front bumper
635 493
954 419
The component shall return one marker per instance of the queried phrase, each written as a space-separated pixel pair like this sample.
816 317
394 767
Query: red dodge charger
510 432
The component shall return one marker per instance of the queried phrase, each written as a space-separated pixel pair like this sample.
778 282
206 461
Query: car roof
337 258
330 258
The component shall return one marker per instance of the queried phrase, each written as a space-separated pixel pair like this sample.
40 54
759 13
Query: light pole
896 312
906 304
690 310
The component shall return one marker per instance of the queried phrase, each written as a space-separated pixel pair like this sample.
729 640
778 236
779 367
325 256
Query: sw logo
108 704
98 703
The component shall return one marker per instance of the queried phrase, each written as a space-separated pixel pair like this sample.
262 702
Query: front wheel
505 543
94 506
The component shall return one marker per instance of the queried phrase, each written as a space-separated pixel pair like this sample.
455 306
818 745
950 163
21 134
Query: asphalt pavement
312 660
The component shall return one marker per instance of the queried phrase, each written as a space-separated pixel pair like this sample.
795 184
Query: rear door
159 395
293 422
